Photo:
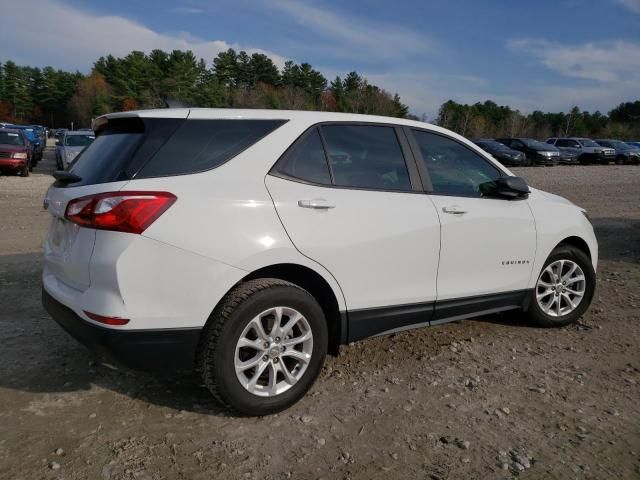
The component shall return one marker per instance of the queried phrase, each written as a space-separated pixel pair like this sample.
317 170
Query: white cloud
190 10
66 37
351 37
633 5
608 62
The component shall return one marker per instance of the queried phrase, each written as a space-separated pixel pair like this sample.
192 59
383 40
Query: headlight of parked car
21 155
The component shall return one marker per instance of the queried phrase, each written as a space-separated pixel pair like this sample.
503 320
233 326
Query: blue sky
547 55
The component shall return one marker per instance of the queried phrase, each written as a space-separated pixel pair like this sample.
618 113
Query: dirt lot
486 398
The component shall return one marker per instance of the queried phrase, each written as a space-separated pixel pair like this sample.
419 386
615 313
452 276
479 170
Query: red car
15 152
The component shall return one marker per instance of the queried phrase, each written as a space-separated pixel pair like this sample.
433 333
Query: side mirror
506 187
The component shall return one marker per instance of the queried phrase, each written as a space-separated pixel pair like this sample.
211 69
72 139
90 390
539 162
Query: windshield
585 142
78 140
535 144
11 138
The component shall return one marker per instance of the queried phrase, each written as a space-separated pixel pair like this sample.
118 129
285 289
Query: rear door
348 197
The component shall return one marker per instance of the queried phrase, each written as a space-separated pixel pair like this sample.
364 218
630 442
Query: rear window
133 147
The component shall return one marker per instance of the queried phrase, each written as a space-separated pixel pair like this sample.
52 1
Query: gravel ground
485 398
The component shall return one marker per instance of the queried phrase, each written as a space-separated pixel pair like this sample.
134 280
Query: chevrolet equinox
248 244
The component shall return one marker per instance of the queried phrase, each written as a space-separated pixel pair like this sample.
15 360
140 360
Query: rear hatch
122 146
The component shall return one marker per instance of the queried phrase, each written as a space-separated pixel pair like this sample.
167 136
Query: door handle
316 203
454 210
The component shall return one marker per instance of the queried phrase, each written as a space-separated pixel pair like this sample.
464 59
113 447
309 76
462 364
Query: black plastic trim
151 350
370 322
377 321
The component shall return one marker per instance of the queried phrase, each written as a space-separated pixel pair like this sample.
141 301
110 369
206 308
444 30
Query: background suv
249 243
537 153
15 152
587 151
625 153
70 145
505 155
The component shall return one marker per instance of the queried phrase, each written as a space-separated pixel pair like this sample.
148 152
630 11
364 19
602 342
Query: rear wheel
564 288
263 346
26 169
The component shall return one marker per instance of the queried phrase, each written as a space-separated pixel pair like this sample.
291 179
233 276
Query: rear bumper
157 349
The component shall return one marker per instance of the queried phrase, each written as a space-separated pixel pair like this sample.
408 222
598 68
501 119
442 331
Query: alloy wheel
560 288
273 351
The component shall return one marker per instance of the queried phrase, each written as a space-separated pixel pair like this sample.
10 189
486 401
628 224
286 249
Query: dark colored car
37 146
585 150
505 155
538 153
15 152
625 153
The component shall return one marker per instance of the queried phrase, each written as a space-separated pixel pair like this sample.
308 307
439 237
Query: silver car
71 144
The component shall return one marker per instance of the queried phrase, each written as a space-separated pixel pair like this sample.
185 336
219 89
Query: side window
306 160
572 143
552 141
562 143
453 168
366 156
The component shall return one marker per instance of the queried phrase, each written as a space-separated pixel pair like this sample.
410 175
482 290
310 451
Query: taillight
130 212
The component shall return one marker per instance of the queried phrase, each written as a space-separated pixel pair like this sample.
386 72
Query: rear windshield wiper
66 177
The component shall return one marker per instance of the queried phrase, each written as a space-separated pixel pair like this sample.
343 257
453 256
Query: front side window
306 160
366 156
453 168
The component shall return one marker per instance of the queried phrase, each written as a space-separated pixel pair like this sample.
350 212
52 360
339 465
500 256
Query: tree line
489 119
138 80
237 79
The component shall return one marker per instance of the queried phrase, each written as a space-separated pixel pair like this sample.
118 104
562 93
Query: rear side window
366 156
133 147
307 161
200 145
453 168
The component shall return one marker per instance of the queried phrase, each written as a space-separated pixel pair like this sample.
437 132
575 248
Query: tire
218 350
620 160
26 169
536 313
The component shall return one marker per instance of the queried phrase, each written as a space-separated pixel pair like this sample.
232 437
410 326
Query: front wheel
564 288
263 347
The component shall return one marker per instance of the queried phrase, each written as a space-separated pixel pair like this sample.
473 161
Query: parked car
15 152
537 153
502 153
37 147
72 143
625 154
586 150
249 243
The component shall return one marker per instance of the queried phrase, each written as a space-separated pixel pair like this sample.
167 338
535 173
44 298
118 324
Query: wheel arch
578 243
316 285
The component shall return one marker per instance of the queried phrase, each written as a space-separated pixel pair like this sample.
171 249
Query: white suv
249 243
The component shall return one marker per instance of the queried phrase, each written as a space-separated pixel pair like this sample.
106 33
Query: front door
488 244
